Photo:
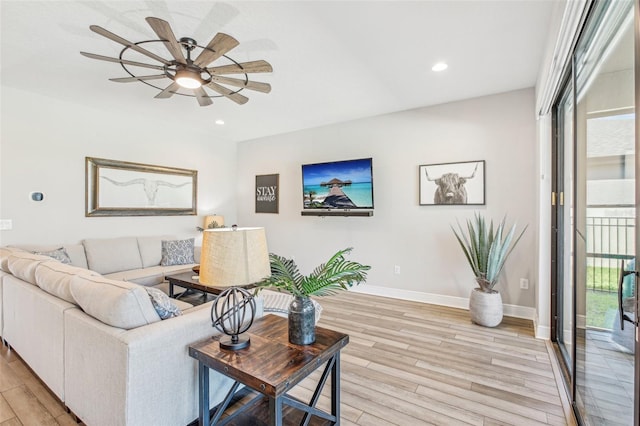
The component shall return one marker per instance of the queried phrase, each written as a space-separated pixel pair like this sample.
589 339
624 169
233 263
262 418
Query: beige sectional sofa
93 336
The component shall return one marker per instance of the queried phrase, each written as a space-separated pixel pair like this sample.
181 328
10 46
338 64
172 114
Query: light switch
6 224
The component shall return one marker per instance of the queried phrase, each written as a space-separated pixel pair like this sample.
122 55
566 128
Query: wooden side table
272 366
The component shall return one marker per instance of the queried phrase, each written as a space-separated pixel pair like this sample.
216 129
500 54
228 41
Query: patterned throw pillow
163 305
59 254
177 252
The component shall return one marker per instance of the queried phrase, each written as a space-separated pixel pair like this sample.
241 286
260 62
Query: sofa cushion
145 276
112 254
151 276
22 264
164 306
5 252
59 254
55 278
77 255
177 252
115 303
151 250
75 251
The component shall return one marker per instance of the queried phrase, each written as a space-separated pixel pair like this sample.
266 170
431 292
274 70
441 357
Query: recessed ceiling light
440 66
219 122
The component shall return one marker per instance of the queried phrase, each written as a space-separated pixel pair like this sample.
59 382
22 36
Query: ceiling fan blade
235 97
203 98
220 44
121 61
163 30
251 85
111 36
142 77
169 91
245 67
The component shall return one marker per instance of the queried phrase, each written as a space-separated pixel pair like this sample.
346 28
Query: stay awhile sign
267 193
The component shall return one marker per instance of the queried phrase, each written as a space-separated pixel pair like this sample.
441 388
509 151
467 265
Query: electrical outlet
396 270
6 224
524 283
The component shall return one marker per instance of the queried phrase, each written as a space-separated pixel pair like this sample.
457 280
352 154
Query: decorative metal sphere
232 313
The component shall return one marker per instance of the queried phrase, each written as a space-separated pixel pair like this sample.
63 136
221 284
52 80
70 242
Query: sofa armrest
139 376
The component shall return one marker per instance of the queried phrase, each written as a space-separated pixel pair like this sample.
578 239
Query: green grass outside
601 309
602 306
602 278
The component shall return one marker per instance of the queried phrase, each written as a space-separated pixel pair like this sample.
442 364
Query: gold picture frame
121 188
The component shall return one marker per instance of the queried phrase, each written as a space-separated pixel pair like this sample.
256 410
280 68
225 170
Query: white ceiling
333 61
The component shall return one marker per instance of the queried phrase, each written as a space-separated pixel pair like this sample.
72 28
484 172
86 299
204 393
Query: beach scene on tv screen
338 185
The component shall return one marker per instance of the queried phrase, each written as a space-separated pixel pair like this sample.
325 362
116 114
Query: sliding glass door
595 232
563 260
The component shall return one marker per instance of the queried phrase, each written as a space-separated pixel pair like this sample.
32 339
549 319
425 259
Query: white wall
500 129
44 143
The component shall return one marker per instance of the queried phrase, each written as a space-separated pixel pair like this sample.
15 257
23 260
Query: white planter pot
485 308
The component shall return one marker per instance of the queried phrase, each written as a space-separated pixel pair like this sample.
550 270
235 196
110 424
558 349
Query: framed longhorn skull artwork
452 183
121 188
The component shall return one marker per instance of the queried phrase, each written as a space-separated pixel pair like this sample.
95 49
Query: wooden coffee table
271 366
185 280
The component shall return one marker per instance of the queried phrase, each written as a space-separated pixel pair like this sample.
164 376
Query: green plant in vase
337 274
486 249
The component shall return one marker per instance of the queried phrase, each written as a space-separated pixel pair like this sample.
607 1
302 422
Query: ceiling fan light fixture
182 70
188 79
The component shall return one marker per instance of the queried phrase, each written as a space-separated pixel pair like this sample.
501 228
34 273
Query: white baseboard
541 331
439 299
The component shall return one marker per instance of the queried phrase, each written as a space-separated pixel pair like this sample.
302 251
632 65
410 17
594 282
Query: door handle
624 317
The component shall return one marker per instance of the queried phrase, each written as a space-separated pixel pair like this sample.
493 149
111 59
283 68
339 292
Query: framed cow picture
452 183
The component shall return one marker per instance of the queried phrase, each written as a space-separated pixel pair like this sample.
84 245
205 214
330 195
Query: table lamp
213 221
233 257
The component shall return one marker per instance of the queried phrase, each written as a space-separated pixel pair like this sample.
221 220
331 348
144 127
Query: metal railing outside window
609 241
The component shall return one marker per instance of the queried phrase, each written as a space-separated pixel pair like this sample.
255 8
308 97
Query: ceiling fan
186 73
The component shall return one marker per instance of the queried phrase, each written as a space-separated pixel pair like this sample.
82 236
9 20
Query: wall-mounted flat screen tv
342 185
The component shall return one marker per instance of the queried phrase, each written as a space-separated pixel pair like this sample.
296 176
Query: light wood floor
410 363
605 379
407 364
24 400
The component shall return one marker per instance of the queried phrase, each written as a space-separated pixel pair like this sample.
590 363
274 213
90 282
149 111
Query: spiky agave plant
486 250
336 274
